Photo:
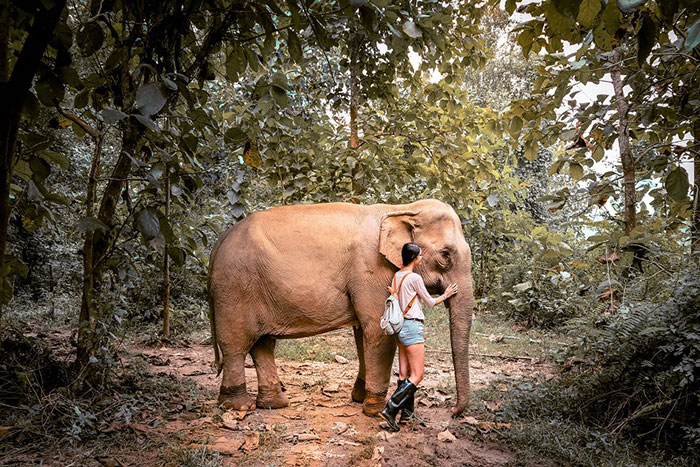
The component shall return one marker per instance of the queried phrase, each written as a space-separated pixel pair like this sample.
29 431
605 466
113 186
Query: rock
226 446
340 427
476 364
333 387
230 420
252 441
377 454
342 360
446 437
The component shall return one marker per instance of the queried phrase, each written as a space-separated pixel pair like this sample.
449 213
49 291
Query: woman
411 343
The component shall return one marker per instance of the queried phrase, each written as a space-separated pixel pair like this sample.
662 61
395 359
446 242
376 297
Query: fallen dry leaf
446 437
331 388
230 421
4 430
233 415
493 406
377 454
252 441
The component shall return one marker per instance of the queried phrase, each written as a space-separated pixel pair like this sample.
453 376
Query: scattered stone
226 446
476 364
446 437
252 441
377 454
333 387
342 360
340 427
385 435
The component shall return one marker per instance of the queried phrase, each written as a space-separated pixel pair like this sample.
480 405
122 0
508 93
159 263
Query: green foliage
640 376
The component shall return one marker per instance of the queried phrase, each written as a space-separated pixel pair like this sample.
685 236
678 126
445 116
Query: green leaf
111 116
646 38
88 224
294 44
587 12
147 122
560 26
48 88
54 157
147 223
575 170
81 99
150 98
90 38
693 38
599 153
177 254
677 184
510 6
516 124
411 29
236 135
368 17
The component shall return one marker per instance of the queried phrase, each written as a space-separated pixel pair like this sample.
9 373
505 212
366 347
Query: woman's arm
425 296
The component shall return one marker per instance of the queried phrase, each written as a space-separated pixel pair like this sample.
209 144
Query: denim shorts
411 332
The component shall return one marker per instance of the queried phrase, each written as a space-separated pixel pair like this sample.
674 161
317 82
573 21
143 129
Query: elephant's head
436 228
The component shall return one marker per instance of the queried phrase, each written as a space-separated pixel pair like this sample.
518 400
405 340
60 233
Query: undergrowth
630 382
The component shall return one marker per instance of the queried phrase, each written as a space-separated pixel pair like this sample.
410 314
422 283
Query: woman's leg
403 362
416 362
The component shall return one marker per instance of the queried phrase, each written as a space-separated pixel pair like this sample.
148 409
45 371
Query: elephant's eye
445 260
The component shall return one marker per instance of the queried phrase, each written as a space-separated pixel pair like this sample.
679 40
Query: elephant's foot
236 398
374 403
271 397
358 391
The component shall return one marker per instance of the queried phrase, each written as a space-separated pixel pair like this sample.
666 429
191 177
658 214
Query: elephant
302 270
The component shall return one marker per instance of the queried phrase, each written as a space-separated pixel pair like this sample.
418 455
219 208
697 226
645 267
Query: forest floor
164 411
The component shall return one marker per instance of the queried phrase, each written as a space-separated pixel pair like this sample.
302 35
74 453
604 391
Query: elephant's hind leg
358 391
233 393
270 394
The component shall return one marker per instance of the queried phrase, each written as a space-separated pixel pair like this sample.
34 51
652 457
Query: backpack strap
410 304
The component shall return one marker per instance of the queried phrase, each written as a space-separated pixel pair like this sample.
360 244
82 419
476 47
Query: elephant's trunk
461 306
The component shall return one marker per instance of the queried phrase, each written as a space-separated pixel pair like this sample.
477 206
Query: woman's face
419 258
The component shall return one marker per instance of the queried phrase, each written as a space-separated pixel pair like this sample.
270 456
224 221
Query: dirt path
322 426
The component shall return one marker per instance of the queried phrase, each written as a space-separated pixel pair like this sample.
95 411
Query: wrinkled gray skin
298 271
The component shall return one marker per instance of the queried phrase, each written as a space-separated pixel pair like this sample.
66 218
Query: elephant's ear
395 231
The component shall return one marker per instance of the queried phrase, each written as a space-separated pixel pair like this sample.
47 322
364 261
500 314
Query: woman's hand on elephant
451 290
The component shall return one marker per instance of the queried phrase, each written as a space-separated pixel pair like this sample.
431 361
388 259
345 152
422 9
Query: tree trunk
13 91
355 187
166 266
354 91
96 249
628 169
695 228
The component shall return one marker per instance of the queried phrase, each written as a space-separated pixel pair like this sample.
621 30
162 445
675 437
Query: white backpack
392 319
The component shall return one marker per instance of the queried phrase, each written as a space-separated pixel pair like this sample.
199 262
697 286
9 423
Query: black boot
408 412
396 401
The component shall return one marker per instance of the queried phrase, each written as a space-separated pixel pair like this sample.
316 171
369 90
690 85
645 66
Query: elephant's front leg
379 353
